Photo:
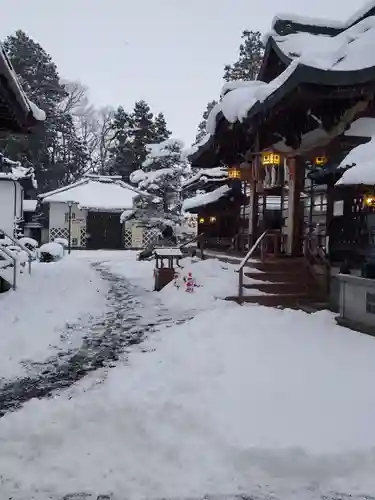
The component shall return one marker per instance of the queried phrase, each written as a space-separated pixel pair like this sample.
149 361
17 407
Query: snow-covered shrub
29 243
62 241
51 252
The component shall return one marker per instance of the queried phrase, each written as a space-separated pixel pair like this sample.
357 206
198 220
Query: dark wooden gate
104 230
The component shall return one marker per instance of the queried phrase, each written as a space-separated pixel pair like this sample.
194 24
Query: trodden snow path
129 315
249 401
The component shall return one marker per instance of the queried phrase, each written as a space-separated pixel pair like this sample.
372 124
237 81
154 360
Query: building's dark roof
17 113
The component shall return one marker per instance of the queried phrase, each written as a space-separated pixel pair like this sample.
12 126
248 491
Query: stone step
285 288
280 277
281 265
291 300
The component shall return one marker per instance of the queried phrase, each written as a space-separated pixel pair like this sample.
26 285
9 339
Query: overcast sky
169 52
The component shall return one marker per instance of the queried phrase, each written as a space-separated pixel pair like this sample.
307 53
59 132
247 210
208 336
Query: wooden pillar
253 213
329 215
294 244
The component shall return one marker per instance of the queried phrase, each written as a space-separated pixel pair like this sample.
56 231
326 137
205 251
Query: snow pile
28 242
62 241
205 199
246 402
53 248
95 193
34 317
361 159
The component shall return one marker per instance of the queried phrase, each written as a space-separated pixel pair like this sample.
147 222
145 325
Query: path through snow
130 315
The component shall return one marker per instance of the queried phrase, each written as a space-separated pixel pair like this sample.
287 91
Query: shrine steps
282 282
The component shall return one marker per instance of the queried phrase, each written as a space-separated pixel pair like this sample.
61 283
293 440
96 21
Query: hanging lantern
369 200
270 158
212 219
320 161
234 173
201 220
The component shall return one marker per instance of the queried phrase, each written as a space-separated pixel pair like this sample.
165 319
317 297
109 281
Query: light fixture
234 173
369 200
270 158
319 161
212 219
201 220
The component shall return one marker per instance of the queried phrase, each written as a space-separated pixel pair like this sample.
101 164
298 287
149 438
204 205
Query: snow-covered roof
361 161
195 147
215 174
15 171
8 72
168 252
236 104
30 205
205 199
96 193
349 51
325 23
362 127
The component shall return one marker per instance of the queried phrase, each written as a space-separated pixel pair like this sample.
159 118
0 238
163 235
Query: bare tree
93 126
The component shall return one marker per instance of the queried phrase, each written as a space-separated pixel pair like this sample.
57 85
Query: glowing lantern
234 173
213 219
369 201
320 161
269 158
201 220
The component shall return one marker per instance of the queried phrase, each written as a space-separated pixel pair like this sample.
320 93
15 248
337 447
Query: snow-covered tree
202 131
250 58
160 176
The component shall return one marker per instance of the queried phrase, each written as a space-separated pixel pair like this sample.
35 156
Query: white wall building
11 201
92 207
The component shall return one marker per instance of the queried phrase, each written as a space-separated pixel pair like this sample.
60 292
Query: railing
193 240
245 260
20 245
7 253
316 255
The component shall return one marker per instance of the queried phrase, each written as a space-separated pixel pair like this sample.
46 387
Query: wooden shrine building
287 134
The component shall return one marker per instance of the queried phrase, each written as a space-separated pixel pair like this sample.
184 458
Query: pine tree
250 58
202 126
46 147
143 132
121 156
161 132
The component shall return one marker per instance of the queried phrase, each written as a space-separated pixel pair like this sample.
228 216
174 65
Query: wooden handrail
10 255
196 238
21 246
245 260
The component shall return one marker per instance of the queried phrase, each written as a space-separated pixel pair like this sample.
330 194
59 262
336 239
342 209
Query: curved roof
18 114
342 60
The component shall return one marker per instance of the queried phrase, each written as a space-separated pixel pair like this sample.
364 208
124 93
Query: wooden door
104 230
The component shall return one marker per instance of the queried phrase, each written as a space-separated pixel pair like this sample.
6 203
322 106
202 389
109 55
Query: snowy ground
33 318
239 400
